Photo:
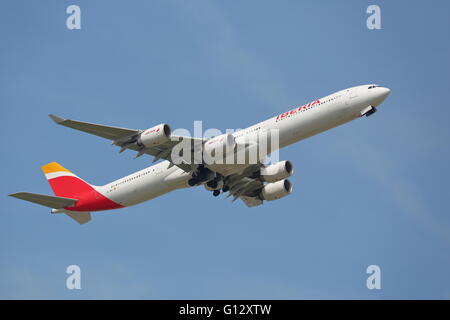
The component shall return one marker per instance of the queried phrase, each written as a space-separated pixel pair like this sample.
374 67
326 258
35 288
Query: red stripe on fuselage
89 199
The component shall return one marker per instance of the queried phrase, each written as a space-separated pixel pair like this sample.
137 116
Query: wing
251 201
246 185
127 139
107 132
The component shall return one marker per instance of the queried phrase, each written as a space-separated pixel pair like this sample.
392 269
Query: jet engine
276 190
154 136
278 171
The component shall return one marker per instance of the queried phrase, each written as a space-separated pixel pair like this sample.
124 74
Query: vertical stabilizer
63 182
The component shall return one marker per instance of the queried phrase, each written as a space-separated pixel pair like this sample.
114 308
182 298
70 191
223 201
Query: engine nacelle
276 190
155 136
278 171
218 148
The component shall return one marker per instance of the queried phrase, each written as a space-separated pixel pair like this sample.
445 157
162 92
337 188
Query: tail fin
63 182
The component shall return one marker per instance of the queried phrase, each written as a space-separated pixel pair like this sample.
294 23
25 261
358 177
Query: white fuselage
293 126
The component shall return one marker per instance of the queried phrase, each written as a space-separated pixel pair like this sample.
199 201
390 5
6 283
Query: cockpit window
371 87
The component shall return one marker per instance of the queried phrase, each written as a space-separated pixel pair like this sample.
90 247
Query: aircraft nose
380 94
384 92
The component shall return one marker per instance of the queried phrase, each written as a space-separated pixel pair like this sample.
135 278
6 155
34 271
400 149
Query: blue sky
374 191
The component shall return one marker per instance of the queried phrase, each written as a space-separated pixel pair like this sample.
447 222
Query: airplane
252 182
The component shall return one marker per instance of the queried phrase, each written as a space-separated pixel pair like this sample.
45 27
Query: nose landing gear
370 110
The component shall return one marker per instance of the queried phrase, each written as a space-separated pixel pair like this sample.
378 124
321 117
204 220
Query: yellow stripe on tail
53 167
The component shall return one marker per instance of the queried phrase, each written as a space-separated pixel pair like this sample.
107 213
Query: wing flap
251 201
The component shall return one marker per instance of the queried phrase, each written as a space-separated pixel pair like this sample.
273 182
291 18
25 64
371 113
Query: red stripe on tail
89 199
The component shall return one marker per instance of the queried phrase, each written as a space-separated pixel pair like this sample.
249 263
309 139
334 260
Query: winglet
56 119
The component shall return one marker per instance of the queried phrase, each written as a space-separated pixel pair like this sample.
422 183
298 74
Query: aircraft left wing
107 132
127 139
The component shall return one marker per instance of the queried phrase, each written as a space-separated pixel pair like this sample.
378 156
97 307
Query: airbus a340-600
252 182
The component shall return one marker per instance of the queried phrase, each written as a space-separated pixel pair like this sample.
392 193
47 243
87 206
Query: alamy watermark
73 21
73 281
374 280
249 146
374 20
257 144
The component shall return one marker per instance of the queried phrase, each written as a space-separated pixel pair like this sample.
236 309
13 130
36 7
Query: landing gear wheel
225 188
216 193
192 182
212 184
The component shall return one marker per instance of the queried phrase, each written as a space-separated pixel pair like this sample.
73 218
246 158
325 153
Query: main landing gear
212 184
215 187
216 192
202 174
214 181
192 182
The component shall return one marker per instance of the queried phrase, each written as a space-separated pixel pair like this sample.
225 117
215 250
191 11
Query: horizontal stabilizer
44 200
80 217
